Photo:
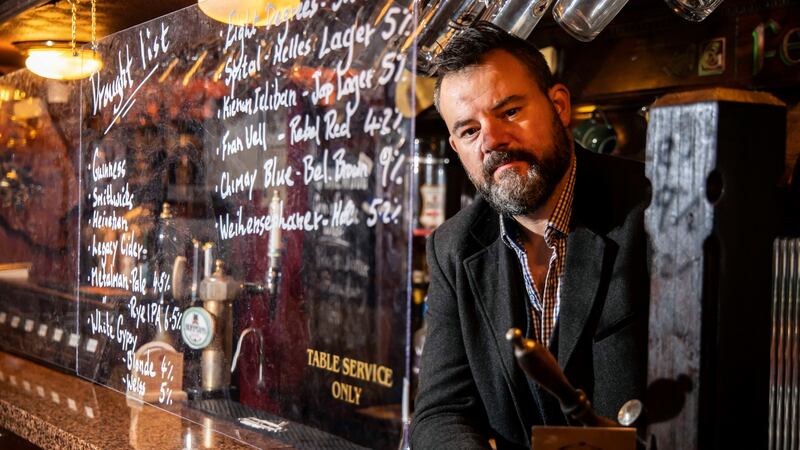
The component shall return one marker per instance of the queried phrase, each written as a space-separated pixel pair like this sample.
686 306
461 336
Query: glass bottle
432 183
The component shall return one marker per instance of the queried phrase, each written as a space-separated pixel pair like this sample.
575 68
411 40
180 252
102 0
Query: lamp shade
59 63
248 12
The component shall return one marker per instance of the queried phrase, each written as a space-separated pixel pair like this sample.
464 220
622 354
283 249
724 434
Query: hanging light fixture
64 61
249 12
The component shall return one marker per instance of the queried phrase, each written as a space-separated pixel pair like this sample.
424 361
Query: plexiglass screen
39 135
244 220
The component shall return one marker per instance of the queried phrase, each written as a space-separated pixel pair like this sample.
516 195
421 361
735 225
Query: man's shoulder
478 223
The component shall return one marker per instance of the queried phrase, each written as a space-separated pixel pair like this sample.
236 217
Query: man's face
510 136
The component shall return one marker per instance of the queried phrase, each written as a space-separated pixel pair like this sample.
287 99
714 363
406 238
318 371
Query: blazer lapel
588 256
582 277
491 279
495 281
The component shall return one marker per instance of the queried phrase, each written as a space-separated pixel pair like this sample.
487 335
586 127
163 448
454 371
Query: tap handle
179 278
538 363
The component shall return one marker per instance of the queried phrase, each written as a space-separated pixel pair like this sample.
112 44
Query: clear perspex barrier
38 217
244 218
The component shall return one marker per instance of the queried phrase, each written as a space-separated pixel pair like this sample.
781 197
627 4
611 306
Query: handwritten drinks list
295 149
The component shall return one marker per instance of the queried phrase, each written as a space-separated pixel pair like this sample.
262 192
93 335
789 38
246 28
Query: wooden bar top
58 411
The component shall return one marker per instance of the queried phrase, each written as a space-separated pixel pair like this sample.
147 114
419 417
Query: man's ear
452 143
559 96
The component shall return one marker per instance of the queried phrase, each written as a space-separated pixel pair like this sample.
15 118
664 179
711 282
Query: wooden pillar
714 158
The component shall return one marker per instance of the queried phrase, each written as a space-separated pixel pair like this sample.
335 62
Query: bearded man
554 245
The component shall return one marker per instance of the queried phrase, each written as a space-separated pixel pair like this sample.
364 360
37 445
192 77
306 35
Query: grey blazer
471 388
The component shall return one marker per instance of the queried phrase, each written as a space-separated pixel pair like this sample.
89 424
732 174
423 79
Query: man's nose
494 136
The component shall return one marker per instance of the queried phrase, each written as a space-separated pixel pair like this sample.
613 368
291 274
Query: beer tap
539 364
218 292
274 252
272 278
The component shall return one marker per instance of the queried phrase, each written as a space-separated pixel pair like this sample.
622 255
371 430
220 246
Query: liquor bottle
432 182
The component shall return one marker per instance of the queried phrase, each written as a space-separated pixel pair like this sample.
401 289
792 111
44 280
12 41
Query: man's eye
511 112
469 132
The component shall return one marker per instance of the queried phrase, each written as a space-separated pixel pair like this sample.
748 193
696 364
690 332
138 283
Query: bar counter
59 411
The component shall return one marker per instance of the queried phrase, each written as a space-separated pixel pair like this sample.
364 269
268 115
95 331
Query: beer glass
440 21
585 19
694 10
518 17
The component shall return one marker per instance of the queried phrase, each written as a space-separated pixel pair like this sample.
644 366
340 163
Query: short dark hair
472 43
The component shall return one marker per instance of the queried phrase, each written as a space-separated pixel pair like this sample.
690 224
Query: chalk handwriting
144 367
165 317
259 224
394 28
302 11
335 128
322 92
110 197
112 170
275 176
344 170
391 67
152 45
284 52
101 322
133 383
138 281
344 213
238 35
255 135
241 68
104 93
270 98
104 248
307 131
99 277
345 40
229 185
161 282
130 247
392 162
228 147
314 171
102 219
383 211
348 84
384 122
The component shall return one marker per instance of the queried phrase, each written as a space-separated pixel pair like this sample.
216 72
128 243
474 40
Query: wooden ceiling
38 20
33 20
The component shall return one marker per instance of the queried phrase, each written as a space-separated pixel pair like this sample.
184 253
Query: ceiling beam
12 8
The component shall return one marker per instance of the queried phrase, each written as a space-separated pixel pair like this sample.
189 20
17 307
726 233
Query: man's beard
518 194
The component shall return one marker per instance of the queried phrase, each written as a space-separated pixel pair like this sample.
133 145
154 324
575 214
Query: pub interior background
136 310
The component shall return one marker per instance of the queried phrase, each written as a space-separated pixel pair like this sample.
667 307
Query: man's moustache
499 158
